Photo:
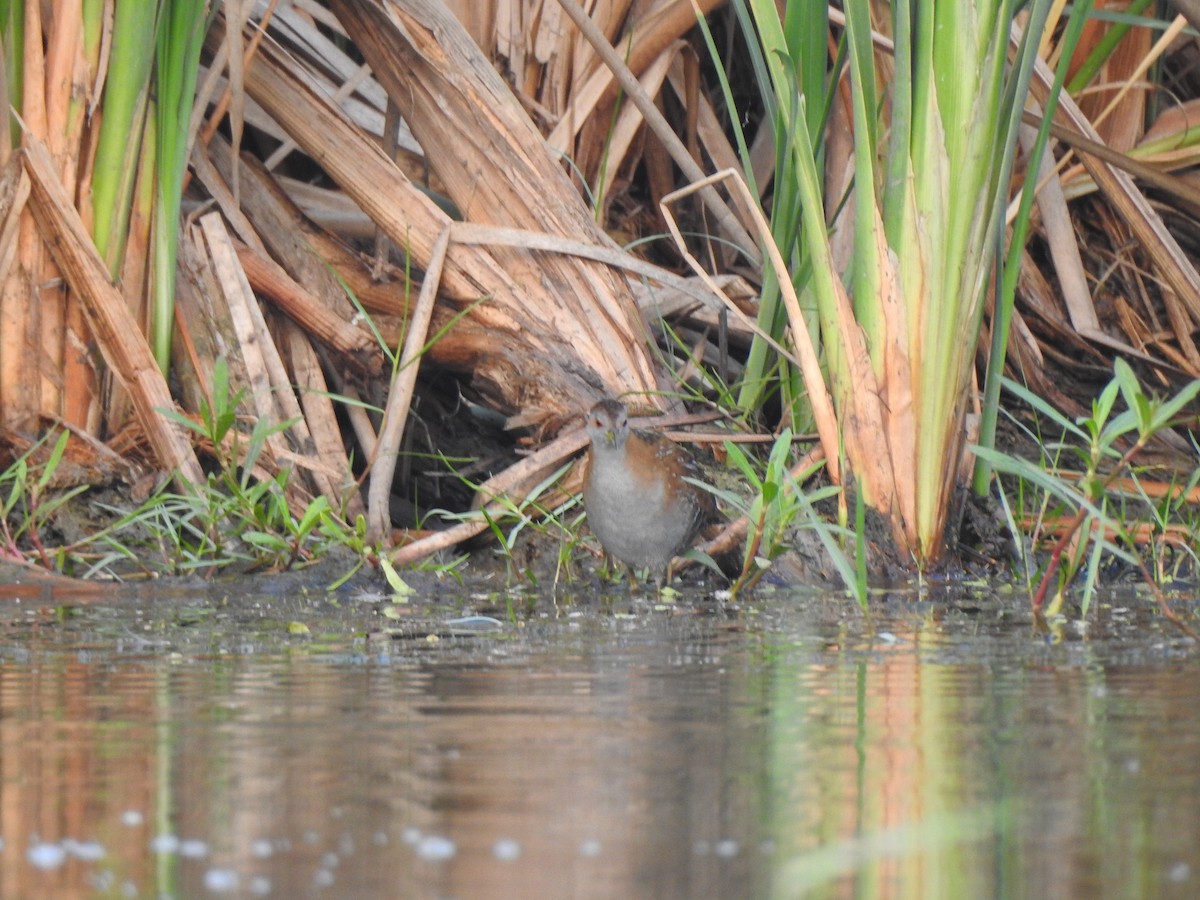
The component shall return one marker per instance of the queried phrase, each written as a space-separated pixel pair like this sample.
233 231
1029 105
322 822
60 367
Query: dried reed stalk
118 335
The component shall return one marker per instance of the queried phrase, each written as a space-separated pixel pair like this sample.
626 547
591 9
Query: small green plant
508 518
235 518
1101 442
769 511
28 503
776 500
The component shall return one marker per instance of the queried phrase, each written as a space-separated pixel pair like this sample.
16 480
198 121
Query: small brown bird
637 501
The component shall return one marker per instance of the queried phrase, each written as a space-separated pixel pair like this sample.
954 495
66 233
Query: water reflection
192 748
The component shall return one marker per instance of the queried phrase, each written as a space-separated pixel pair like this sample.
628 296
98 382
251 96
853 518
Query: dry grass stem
387 447
806 358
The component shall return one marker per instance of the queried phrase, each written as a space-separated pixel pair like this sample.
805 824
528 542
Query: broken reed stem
473 233
355 347
387 446
356 412
515 481
233 85
657 123
120 339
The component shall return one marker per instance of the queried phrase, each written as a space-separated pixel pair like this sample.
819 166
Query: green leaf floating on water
298 628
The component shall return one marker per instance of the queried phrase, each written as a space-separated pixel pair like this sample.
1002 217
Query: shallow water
178 744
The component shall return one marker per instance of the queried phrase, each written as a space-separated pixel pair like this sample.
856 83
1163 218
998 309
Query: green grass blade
178 60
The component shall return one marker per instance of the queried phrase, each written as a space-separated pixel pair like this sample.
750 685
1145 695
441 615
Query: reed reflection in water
673 753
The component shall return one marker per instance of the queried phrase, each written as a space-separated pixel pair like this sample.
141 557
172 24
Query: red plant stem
1160 598
1039 598
36 540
